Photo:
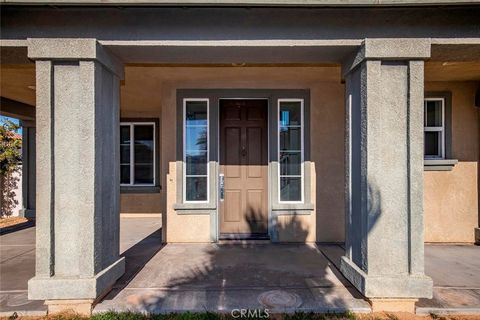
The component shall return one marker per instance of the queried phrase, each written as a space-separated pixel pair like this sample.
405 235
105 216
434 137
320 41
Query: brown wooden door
243 162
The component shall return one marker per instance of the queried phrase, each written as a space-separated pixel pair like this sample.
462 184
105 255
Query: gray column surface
28 169
78 189
384 162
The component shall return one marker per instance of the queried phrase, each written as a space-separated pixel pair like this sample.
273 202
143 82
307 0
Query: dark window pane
196 113
143 135
431 143
290 163
144 153
290 139
125 174
124 134
196 189
290 113
125 154
290 189
196 138
143 174
196 162
434 113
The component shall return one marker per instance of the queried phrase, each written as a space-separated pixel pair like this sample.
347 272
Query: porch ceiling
232 52
17 82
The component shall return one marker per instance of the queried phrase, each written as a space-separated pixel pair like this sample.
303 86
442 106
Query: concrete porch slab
17 261
17 265
455 271
199 277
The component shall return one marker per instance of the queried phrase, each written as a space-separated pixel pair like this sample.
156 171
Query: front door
244 166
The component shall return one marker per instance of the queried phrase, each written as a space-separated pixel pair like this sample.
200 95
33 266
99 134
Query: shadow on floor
223 277
136 257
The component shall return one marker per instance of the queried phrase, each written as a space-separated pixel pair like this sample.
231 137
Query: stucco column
78 189
28 168
384 256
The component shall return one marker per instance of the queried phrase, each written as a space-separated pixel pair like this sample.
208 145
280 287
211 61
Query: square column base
387 286
77 307
75 288
393 305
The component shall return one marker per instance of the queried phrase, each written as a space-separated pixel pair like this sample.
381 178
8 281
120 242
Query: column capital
74 49
389 49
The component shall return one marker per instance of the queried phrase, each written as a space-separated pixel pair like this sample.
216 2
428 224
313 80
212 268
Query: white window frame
184 178
440 129
132 157
302 151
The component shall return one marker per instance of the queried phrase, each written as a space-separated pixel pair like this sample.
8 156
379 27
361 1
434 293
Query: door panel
243 161
254 157
232 138
234 199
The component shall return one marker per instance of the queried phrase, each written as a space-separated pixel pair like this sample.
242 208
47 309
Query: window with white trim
195 150
290 150
434 128
137 153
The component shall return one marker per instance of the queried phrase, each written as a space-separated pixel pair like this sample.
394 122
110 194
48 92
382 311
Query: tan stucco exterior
451 197
151 92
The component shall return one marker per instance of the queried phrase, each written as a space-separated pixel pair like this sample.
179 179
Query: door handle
221 184
244 151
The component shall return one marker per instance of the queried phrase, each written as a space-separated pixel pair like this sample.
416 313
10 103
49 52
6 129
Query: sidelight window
195 150
137 153
434 128
290 150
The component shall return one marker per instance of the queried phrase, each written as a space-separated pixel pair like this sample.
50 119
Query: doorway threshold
244 237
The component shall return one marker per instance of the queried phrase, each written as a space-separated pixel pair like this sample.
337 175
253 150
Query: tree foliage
10 158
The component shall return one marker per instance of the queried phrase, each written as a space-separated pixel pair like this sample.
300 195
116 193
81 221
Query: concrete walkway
17 265
17 261
200 277
455 271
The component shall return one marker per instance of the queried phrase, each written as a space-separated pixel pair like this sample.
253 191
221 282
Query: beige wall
451 197
140 97
151 92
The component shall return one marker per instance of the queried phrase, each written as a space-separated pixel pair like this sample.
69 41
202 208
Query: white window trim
436 129
302 151
132 164
184 178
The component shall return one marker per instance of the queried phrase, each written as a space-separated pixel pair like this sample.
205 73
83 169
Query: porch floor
200 277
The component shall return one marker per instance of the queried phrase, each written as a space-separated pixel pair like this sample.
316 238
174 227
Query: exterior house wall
450 200
151 92
451 197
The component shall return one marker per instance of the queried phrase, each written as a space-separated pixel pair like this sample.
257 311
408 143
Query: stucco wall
151 92
140 97
451 197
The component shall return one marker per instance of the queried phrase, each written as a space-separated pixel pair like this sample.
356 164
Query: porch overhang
243 52
235 3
